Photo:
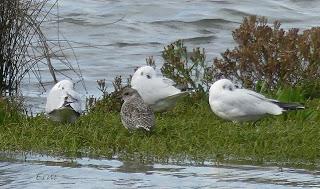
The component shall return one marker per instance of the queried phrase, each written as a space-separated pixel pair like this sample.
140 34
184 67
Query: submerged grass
190 132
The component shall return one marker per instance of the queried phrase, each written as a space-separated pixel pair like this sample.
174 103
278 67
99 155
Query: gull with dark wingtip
235 104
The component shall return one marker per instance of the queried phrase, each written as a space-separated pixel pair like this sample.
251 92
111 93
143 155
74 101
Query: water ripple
40 172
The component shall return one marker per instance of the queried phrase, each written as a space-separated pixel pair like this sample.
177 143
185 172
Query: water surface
46 172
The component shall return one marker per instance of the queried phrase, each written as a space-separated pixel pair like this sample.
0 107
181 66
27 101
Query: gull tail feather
289 106
183 87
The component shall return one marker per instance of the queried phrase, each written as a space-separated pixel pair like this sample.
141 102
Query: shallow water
46 172
145 28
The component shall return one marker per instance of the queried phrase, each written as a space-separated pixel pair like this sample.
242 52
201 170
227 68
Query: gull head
64 84
129 93
222 84
144 71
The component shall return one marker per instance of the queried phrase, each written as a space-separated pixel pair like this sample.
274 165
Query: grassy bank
191 131
267 59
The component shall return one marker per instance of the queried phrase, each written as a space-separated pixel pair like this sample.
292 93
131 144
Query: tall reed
22 43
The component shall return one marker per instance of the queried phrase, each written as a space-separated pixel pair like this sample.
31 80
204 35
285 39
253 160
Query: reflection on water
147 26
35 171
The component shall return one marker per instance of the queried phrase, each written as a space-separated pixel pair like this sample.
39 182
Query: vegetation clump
109 102
184 68
271 57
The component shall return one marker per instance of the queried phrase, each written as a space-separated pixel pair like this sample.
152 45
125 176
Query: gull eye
148 76
126 94
141 73
227 87
62 88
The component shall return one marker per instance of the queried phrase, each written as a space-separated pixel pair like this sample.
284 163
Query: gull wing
75 100
258 95
285 106
154 89
168 102
165 86
241 103
55 99
168 81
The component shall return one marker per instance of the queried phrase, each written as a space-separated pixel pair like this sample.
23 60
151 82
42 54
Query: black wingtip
290 106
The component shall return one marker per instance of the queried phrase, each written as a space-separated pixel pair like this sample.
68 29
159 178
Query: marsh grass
191 132
23 44
25 48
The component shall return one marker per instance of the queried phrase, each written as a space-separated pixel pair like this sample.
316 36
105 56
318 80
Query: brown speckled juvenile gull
135 113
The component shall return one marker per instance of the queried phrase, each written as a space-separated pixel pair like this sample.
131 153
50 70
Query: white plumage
231 103
63 103
158 92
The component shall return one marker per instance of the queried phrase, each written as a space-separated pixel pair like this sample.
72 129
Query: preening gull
231 103
135 113
63 103
158 92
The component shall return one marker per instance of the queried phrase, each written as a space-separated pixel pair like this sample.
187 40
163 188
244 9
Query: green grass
186 133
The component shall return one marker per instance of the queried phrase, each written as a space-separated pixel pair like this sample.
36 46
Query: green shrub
10 110
184 68
271 55
110 102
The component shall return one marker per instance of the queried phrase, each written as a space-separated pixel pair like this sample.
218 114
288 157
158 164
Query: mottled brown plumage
135 113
